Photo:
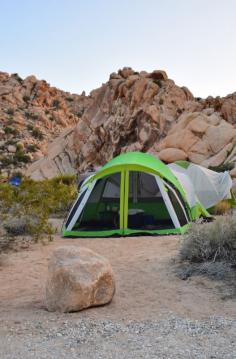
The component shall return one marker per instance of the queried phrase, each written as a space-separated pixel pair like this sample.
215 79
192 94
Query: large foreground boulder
78 278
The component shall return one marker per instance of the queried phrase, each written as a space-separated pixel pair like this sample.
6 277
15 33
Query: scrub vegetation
25 210
210 249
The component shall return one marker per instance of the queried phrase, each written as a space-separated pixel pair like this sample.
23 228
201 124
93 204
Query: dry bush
6 243
215 241
222 208
209 249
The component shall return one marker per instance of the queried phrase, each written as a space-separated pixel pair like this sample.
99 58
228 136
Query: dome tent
134 193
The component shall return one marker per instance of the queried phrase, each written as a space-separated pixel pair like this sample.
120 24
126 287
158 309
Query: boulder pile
32 114
133 111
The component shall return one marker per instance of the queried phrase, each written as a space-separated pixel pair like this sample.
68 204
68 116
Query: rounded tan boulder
78 278
172 154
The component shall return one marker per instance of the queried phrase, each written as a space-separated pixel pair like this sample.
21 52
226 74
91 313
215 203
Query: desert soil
153 314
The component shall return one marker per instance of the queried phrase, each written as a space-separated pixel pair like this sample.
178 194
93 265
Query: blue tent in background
15 181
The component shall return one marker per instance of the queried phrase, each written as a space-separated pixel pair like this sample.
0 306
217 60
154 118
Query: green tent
134 193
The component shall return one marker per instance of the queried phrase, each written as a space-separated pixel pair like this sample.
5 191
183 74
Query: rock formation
32 114
78 278
136 111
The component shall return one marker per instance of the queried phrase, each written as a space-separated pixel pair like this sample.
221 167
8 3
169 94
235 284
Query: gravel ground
64 337
153 314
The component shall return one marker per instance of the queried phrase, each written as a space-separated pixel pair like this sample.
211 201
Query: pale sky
76 44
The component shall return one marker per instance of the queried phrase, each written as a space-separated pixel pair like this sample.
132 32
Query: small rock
11 148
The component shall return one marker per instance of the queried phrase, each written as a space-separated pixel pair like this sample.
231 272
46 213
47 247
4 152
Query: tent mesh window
101 211
146 209
74 209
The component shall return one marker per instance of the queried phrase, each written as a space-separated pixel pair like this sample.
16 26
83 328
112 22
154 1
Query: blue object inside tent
15 181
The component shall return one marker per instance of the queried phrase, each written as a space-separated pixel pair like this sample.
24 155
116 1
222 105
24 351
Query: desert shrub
10 121
34 116
26 98
26 209
7 243
10 111
215 241
21 156
32 148
64 179
31 115
223 167
37 133
30 127
11 131
56 104
16 226
80 112
221 208
69 99
35 225
18 78
158 82
19 147
6 160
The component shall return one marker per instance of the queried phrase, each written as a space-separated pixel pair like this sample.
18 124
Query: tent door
77 212
101 209
168 203
147 205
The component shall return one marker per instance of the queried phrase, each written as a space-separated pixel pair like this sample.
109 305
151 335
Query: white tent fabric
210 187
186 183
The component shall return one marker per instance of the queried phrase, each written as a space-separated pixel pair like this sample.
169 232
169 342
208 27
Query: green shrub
30 127
46 197
21 156
19 147
11 131
68 180
215 241
26 209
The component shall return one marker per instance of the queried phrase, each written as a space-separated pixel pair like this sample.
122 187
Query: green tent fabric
134 193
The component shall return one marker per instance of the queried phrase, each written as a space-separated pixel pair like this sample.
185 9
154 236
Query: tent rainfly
136 193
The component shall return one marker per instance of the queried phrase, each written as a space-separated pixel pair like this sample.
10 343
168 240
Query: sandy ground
146 285
147 289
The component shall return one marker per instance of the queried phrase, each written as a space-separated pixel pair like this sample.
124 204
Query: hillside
141 111
32 114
